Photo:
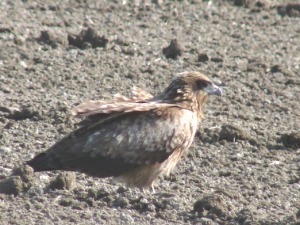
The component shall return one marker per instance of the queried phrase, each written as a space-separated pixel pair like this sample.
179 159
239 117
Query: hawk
132 139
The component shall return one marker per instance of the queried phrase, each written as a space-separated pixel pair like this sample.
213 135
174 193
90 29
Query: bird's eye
202 84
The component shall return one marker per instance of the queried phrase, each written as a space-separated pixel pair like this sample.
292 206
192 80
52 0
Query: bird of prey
132 139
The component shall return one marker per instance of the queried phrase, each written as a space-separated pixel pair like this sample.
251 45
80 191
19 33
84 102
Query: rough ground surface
244 165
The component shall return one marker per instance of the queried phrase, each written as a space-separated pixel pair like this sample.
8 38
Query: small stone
5 150
23 64
126 218
19 40
151 207
73 52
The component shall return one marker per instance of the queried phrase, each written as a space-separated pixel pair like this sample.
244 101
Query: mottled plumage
133 139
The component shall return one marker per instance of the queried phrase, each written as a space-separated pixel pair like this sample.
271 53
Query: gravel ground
243 167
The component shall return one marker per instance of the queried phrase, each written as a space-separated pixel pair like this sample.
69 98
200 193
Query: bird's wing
120 103
139 94
122 143
107 107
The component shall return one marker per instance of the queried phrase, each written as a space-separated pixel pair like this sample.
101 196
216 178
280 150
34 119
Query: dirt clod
210 204
25 172
11 185
232 133
291 139
202 57
65 181
174 50
86 38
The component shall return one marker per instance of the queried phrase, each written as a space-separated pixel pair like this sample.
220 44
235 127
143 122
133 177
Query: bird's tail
39 163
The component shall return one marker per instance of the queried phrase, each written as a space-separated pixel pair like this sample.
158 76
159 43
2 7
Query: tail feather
95 166
39 163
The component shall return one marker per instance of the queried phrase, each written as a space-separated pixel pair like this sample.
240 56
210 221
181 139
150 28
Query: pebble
126 218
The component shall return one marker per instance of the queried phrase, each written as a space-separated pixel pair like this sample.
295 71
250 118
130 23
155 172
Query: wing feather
118 104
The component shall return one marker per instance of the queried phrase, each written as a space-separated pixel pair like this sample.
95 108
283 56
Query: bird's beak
214 90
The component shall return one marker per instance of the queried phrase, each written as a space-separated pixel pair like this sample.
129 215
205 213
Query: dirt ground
243 167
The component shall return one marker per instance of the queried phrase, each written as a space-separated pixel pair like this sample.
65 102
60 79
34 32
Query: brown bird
132 139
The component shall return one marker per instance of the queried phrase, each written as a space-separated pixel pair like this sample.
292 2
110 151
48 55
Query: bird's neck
184 98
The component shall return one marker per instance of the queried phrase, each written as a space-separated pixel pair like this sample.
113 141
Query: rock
65 181
23 64
126 218
5 150
19 40
174 50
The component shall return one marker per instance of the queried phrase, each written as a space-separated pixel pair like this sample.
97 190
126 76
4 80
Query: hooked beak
214 90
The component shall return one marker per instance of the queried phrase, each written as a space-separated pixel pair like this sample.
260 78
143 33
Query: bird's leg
153 189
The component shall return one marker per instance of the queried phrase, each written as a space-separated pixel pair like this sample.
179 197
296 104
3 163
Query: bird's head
190 88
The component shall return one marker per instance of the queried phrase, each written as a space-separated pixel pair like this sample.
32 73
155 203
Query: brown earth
243 167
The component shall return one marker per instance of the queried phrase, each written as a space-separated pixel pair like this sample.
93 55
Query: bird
136 139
